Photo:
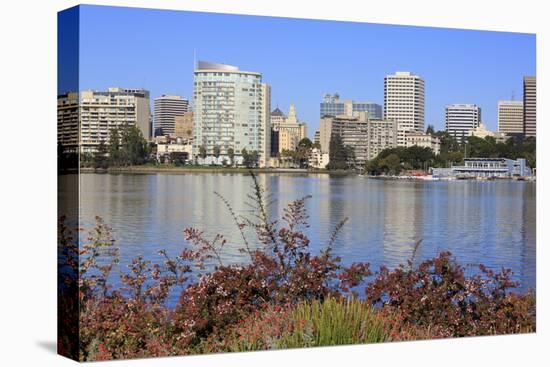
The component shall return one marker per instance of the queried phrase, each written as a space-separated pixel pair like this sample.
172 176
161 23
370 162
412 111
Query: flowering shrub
284 296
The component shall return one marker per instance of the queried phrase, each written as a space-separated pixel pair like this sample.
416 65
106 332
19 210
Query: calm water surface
479 222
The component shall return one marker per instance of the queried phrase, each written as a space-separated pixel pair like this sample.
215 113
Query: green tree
100 159
114 147
391 164
246 157
305 143
231 154
216 152
134 146
338 153
202 152
430 130
250 159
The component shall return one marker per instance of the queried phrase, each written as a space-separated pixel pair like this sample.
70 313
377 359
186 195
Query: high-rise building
530 106
367 137
167 107
460 119
229 112
333 106
265 151
382 135
510 117
68 121
317 137
86 119
183 126
404 103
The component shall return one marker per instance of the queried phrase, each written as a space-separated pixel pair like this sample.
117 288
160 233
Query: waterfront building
289 129
530 106
173 145
404 103
166 108
510 117
423 140
382 134
265 128
325 131
231 110
318 159
332 105
492 167
86 119
183 126
367 137
460 119
68 121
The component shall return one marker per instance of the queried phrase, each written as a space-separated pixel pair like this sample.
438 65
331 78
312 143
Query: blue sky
302 59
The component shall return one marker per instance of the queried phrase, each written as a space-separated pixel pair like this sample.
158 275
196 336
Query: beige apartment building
367 137
424 141
510 117
67 122
404 103
87 119
183 126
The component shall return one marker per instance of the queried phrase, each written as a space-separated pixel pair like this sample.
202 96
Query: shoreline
223 170
291 171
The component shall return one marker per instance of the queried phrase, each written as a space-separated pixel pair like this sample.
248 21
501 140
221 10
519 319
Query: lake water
479 222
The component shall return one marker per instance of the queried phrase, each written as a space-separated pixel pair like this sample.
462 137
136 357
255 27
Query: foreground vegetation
284 296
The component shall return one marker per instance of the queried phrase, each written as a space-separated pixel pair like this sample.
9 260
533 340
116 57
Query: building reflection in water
479 222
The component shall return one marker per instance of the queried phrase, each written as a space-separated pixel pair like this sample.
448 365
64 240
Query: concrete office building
510 117
332 105
231 110
166 108
317 137
530 106
460 118
86 119
404 103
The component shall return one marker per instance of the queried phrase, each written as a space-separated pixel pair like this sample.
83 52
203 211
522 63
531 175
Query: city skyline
458 66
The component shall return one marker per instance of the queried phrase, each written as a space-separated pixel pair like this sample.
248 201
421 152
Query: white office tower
404 103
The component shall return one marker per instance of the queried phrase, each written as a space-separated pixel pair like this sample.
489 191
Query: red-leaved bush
437 296
240 307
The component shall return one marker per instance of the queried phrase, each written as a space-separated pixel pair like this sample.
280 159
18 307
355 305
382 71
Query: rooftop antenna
513 96
194 59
